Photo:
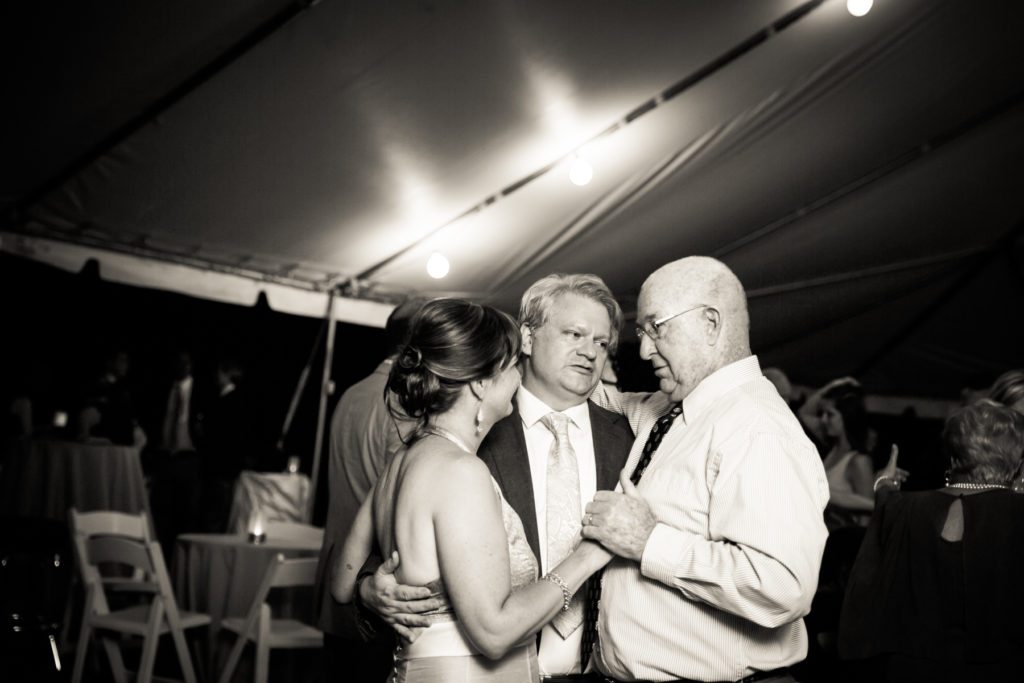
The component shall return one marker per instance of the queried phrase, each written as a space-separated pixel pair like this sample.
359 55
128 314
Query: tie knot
558 423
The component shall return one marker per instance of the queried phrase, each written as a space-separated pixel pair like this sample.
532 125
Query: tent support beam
325 392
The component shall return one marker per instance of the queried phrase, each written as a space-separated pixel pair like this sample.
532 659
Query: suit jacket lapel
611 447
504 451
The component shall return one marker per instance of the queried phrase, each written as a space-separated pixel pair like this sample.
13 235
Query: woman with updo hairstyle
436 509
935 592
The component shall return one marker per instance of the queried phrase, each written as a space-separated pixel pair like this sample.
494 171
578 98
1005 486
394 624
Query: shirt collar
719 383
532 409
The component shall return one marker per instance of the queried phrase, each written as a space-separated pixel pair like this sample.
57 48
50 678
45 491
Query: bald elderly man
718 529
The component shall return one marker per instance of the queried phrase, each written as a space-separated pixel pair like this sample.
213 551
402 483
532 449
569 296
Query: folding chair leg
80 650
148 658
113 651
263 645
236 654
262 662
184 659
152 640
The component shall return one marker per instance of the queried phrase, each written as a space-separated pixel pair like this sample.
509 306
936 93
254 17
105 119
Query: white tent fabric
861 175
196 280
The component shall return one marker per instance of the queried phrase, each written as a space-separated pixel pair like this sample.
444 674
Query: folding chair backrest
109 523
117 550
85 525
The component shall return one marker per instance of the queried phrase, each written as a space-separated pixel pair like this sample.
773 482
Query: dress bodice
522 562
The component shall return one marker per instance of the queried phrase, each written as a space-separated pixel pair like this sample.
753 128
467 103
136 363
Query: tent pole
325 391
299 388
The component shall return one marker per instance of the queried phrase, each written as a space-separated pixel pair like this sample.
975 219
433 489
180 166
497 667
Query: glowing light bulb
859 8
580 172
437 265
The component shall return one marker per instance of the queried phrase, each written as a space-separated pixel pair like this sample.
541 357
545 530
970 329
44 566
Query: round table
219 574
46 476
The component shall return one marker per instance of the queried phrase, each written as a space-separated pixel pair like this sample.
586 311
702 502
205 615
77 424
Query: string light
580 172
859 8
437 265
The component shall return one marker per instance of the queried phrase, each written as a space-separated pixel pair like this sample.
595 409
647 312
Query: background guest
843 428
112 396
1008 390
364 438
935 592
226 442
177 479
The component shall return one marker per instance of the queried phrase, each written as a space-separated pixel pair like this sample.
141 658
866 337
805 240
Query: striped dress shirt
738 492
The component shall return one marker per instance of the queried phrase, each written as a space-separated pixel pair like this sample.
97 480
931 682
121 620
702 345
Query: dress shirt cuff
663 555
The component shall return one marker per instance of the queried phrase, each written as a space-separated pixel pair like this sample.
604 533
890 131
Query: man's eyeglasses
652 329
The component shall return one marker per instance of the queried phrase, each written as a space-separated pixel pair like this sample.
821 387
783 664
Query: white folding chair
150 621
262 629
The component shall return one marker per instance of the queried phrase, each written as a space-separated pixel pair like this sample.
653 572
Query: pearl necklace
976 487
445 434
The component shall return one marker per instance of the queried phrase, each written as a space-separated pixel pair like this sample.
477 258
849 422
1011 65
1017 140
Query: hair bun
410 358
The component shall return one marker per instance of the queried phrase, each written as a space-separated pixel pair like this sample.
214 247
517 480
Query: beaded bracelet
560 582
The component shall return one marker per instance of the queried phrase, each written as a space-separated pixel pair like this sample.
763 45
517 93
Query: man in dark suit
569 324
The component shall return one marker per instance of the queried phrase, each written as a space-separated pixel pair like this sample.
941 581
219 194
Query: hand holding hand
621 522
399 605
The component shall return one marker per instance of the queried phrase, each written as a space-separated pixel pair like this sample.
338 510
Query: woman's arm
357 548
472 550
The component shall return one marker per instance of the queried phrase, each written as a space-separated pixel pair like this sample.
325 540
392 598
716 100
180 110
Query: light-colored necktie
563 512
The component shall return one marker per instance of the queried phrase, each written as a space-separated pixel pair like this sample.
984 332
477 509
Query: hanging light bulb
437 265
580 172
859 8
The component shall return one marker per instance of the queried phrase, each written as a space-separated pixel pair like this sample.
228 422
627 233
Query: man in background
364 437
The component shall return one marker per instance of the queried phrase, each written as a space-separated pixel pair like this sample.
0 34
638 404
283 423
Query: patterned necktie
654 440
594 584
563 512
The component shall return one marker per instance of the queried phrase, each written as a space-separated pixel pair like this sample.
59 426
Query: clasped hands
621 522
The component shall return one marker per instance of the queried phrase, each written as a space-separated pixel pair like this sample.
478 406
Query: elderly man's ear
712 325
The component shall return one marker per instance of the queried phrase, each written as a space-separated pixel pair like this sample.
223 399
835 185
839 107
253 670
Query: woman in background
837 416
935 592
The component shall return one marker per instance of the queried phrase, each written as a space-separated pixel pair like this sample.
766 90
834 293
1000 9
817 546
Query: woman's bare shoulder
446 464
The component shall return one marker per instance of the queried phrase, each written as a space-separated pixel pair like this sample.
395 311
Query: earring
479 418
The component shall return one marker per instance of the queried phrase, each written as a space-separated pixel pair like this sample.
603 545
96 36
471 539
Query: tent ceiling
852 171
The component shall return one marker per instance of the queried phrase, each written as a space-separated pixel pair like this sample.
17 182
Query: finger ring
586 520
